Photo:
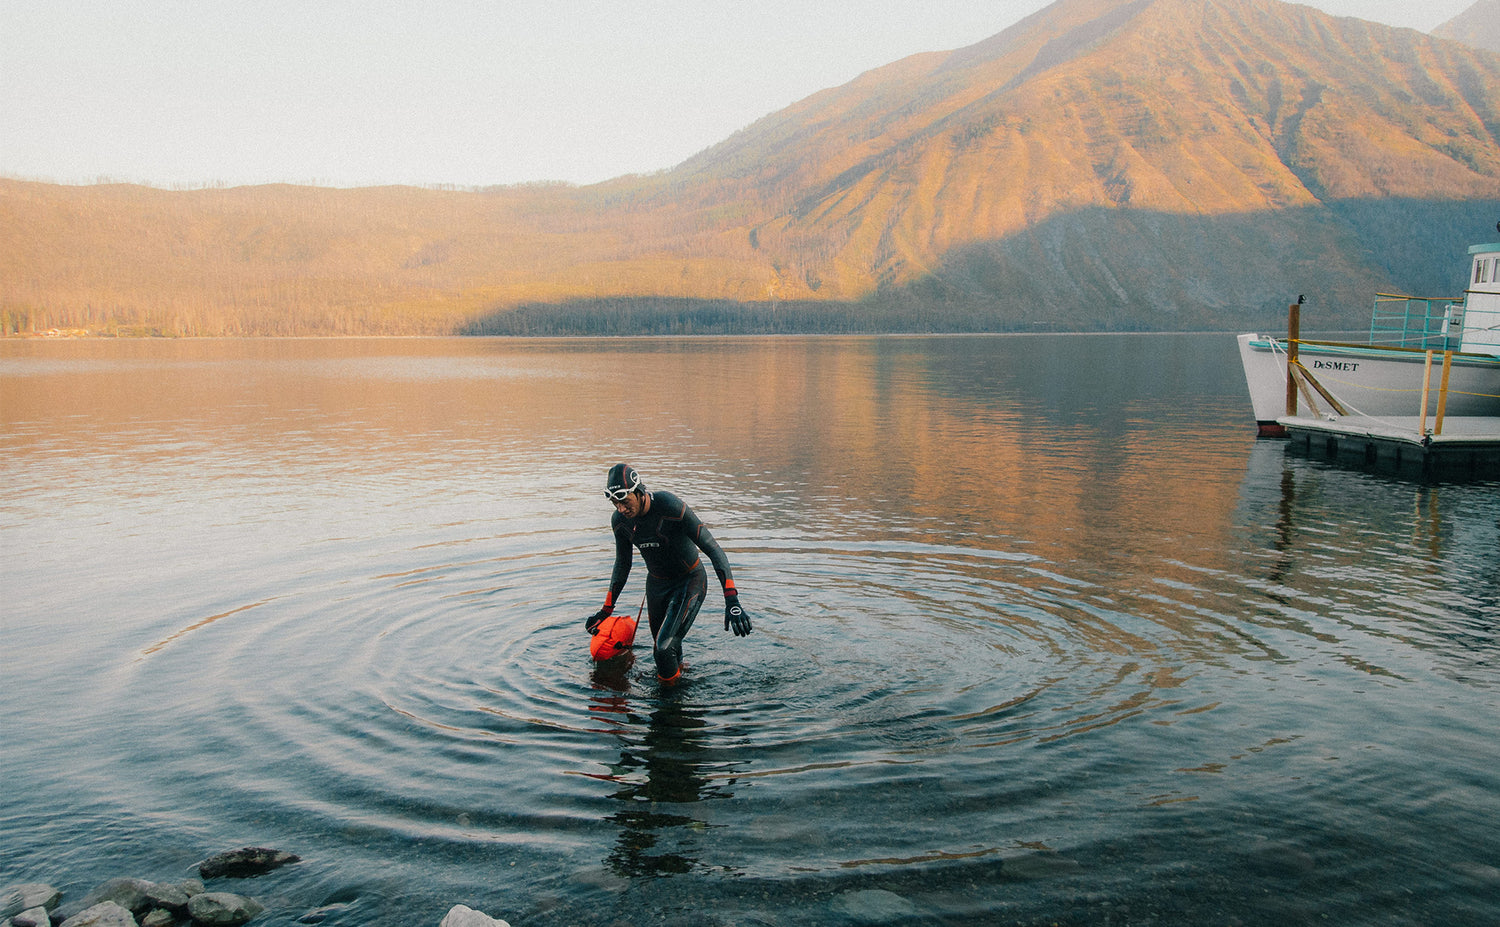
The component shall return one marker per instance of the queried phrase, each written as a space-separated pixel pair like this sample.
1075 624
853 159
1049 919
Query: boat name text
1345 366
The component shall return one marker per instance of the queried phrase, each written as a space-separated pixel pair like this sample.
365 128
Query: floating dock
1467 447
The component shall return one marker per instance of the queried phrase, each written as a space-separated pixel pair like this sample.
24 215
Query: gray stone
319 915
465 916
243 863
129 894
32 917
170 897
159 917
20 898
222 909
874 906
1040 866
1479 872
103 914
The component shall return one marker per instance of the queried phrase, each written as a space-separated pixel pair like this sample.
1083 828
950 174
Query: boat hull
1366 381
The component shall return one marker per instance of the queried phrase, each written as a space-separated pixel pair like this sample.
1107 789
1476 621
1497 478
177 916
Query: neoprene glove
735 617
592 622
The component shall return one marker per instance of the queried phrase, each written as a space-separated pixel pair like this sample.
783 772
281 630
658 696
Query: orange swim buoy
616 635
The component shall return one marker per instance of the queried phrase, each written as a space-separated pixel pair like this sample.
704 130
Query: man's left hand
735 617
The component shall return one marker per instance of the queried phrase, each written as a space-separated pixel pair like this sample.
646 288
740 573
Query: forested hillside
1103 164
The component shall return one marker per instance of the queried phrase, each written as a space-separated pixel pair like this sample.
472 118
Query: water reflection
1019 594
1352 557
1314 501
1282 541
665 772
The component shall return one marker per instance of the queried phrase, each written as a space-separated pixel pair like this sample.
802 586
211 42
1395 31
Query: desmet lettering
1342 366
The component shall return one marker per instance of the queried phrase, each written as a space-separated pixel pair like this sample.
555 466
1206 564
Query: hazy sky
360 92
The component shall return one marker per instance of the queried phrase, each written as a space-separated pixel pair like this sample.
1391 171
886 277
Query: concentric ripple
455 700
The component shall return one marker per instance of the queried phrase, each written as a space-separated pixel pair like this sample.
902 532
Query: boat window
1479 269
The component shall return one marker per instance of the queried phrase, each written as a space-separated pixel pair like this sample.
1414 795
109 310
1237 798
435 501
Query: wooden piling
1293 334
1437 428
1426 388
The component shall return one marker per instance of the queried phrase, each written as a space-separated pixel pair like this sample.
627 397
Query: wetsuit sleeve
702 537
621 572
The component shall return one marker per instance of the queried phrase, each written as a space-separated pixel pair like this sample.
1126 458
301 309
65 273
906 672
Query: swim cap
622 481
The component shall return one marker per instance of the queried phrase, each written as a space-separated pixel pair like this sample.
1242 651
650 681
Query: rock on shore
222 909
464 916
103 914
141 903
27 897
243 863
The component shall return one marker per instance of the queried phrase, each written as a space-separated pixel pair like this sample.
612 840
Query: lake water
1043 635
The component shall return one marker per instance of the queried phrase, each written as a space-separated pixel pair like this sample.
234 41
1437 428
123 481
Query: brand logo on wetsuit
645 544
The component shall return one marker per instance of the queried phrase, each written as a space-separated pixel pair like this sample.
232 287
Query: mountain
1478 26
1102 164
1121 157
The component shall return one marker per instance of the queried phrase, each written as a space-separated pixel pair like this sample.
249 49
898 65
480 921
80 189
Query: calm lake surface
1043 635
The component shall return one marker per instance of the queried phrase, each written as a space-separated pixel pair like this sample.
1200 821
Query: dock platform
1467 447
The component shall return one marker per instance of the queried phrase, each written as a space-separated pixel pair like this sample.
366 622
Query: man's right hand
592 622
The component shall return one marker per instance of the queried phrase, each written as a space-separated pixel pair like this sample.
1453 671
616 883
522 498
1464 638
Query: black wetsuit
669 537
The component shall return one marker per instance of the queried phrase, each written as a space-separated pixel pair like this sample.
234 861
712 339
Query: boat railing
1302 384
1423 322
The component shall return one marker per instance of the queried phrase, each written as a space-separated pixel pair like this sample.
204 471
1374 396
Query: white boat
1425 357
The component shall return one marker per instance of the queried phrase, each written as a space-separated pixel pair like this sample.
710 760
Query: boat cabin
1482 301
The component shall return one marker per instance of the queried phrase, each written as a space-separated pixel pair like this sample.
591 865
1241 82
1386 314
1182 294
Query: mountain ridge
1093 165
1112 153
1477 26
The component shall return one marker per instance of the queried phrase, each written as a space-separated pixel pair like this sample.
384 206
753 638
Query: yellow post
1426 384
1293 333
1443 392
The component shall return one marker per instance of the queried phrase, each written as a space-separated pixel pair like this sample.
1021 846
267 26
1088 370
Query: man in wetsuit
669 537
